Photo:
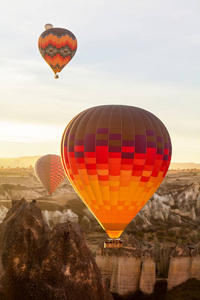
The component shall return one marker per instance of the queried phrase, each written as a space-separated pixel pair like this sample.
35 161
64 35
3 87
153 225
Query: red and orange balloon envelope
115 157
57 46
49 171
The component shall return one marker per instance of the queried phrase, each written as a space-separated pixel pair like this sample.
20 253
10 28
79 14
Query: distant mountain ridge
185 166
21 162
26 161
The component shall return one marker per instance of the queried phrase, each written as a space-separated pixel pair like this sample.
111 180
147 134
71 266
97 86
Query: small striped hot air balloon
49 171
115 156
57 46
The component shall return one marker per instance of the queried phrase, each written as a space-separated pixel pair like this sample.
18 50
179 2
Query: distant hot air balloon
115 157
57 46
49 171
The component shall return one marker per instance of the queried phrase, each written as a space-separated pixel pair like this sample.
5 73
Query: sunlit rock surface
148 275
16 192
120 268
3 212
195 262
55 217
172 207
4 194
86 224
38 263
179 268
198 203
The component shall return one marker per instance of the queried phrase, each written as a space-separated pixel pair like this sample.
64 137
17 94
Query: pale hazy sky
143 53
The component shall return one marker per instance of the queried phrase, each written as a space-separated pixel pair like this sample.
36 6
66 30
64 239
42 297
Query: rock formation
3 212
195 262
55 217
120 268
148 275
198 203
86 224
16 192
38 263
162 255
175 208
179 268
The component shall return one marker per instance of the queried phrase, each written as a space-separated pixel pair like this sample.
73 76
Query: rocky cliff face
127 270
148 275
37 263
120 268
195 262
179 269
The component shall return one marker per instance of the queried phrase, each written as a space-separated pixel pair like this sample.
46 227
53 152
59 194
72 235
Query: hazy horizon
39 155
26 161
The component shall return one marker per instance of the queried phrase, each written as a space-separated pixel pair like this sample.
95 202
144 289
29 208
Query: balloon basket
113 243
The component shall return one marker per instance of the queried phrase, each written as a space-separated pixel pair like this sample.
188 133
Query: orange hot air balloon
115 157
57 46
49 171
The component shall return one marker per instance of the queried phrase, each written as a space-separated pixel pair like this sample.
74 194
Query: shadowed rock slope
37 263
